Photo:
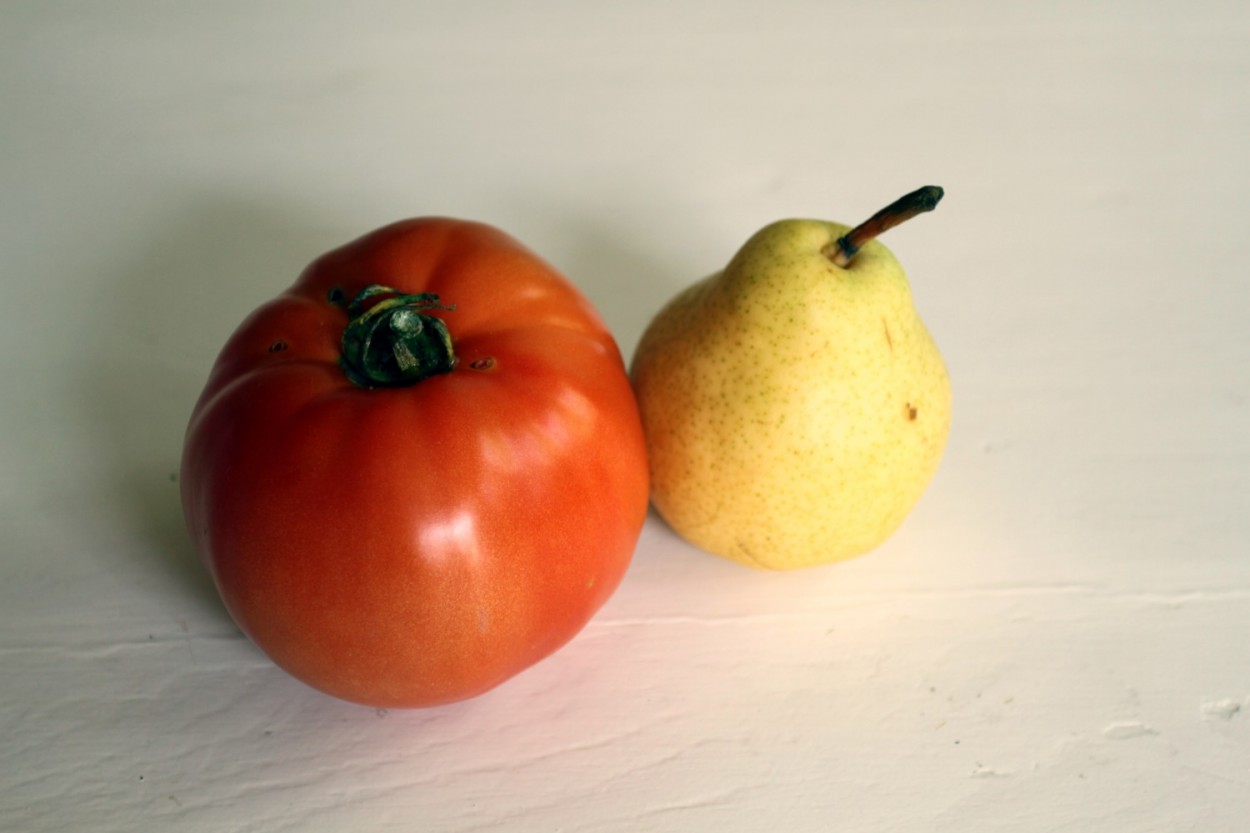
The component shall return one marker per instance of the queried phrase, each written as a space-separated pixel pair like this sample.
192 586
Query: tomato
420 469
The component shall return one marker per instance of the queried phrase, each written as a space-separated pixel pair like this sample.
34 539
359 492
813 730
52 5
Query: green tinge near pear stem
920 201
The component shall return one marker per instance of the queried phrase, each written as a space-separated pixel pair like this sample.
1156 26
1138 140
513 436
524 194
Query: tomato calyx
391 341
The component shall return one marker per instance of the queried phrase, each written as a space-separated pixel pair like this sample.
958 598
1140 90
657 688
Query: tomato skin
413 546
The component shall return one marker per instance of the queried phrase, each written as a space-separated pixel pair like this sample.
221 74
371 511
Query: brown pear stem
904 208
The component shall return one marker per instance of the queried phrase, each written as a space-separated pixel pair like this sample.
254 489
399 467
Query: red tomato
396 526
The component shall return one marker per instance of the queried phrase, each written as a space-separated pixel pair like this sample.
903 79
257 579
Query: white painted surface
1058 638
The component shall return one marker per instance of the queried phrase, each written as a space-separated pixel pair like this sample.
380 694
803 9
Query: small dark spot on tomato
336 295
484 363
278 346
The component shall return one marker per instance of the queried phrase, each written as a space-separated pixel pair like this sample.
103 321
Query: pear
794 404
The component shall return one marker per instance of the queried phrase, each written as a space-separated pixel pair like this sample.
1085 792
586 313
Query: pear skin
795 410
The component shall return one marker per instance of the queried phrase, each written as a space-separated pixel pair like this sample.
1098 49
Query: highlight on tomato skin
420 469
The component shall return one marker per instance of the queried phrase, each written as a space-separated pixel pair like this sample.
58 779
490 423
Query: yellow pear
795 406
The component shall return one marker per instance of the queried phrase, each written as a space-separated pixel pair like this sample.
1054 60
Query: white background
1058 639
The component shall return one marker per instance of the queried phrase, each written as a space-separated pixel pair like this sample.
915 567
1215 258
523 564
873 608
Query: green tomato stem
904 208
392 342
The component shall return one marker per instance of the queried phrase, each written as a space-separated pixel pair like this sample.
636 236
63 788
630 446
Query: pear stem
904 208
